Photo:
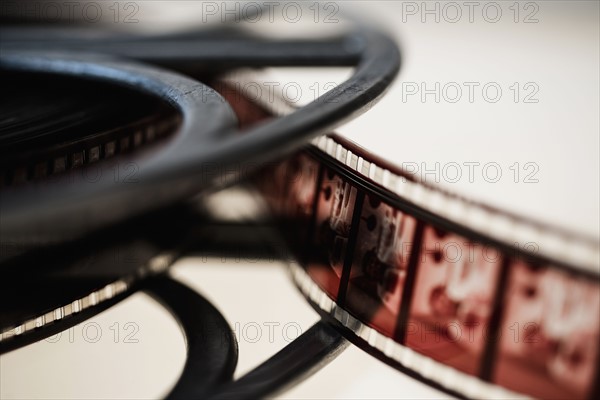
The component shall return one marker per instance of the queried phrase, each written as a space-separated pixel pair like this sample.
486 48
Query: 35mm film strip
480 303
485 311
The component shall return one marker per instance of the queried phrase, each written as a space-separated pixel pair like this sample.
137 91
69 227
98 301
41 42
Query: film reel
207 130
425 280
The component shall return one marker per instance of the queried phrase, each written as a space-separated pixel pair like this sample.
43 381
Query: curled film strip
436 285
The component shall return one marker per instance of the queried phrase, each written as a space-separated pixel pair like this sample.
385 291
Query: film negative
480 303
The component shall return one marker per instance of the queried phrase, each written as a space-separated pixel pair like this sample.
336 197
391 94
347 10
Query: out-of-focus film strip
480 303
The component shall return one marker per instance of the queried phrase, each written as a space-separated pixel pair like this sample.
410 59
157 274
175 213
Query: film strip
479 303
63 312
429 280
450 306
51 126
